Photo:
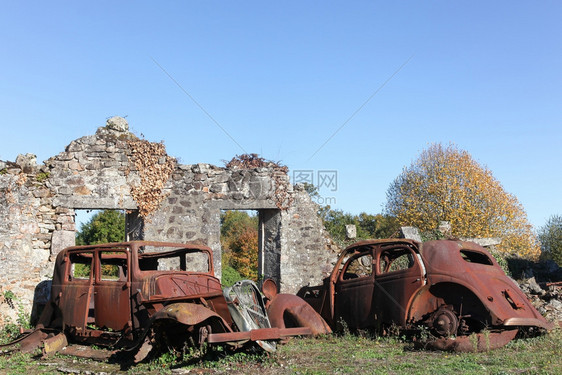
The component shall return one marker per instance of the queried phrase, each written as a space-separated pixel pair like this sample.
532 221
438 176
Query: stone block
27 162
117 123
351 231
62 239
410 233
201 168
74 147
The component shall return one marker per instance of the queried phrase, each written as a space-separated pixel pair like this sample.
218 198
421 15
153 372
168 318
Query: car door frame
353 297
394 289
112 297
76 293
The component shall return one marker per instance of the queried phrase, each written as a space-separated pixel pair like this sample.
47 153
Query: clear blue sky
281 78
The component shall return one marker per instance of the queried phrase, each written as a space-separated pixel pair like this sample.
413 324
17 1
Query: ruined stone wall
308 253
296 249
99 171
26 225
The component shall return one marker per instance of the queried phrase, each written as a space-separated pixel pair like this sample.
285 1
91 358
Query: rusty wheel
445 322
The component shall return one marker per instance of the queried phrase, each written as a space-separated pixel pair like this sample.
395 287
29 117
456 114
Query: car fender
288 310
430 297
188 314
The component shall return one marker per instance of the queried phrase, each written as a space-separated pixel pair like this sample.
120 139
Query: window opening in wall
101 226
240 245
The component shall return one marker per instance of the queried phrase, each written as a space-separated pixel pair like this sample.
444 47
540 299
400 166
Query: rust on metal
453 288
135 296
26 343
287 310
260 334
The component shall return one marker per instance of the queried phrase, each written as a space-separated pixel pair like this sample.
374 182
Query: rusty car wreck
454 290
135 296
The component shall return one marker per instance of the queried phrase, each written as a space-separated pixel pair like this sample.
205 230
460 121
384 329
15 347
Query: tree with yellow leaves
446 184
239 242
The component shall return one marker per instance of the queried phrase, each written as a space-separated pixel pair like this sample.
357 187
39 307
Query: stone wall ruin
106 171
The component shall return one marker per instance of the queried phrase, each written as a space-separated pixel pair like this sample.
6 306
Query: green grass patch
329 354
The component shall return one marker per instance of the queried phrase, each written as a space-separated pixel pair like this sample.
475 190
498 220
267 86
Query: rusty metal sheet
26 343
186 313
258 334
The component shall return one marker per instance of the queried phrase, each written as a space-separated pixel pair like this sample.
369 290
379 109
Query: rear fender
288 310
465 302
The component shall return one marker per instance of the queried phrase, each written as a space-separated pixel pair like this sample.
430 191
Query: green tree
104 226
550 237
446 184
367 225
376 226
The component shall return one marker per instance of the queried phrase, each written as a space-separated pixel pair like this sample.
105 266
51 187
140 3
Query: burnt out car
139 295
455 290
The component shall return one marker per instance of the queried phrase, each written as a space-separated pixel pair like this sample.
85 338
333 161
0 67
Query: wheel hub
445 322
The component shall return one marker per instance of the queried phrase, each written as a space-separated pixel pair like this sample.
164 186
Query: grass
346 354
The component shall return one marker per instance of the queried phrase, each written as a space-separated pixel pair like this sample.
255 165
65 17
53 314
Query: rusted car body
138 295
455 289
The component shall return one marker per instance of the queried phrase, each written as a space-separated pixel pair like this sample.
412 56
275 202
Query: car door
354 290
112 307
76 291
398 275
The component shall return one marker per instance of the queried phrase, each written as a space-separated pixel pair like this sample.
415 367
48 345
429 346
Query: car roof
382 241
116 245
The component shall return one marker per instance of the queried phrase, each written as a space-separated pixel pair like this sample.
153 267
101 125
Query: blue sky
281 78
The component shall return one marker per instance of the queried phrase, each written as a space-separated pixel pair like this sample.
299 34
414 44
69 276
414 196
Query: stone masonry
38 203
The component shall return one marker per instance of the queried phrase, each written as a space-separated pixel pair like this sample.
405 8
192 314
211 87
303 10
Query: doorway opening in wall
240 245
95 226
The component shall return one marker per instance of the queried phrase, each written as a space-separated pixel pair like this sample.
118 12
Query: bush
229 275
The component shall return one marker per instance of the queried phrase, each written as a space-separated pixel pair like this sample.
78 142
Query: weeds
42 176
216 358
343 328
11 330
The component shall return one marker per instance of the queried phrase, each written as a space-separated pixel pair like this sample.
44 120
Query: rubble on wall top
253 161
27 162
118 124
116 127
